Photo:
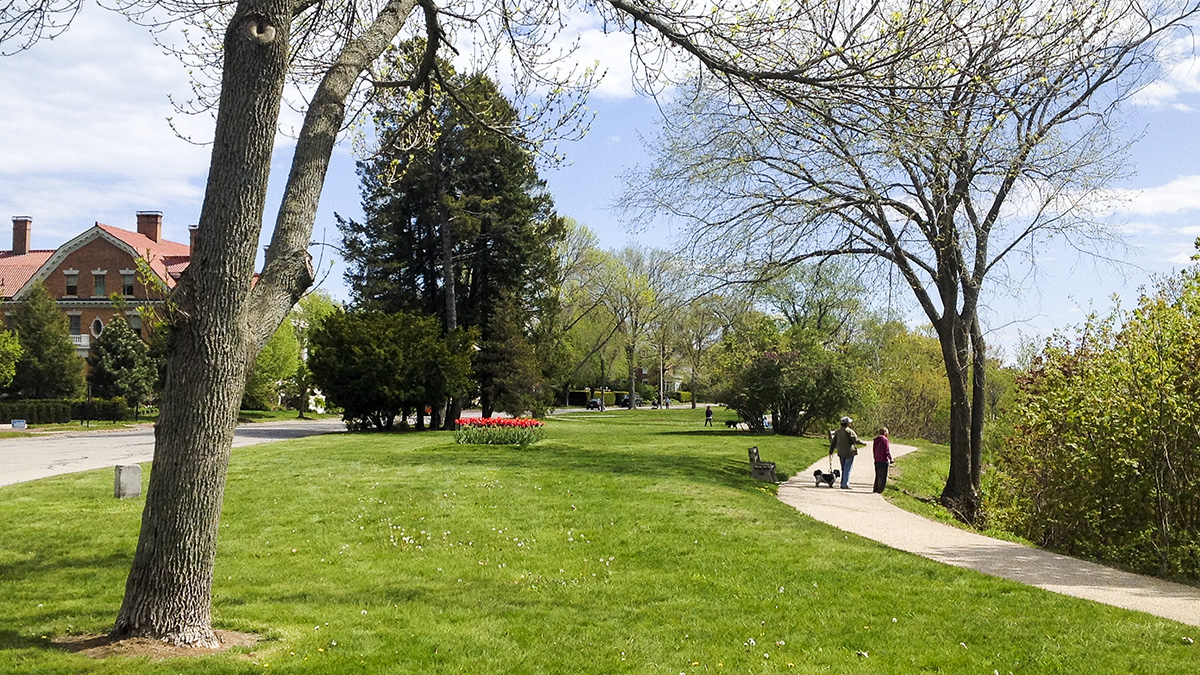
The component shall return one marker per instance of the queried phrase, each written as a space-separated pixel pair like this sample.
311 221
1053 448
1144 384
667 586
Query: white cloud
1140 227
1180 76
83 124
1181 194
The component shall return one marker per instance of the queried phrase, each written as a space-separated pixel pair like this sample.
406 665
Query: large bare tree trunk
220 324
168 591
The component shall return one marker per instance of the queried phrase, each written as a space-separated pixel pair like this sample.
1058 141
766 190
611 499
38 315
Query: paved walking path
864 513
30 458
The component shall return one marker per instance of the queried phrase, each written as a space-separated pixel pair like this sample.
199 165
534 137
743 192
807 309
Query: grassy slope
626 542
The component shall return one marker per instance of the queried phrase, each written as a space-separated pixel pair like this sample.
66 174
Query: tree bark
221 324
169 588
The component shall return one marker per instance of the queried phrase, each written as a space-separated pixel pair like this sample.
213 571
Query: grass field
627 542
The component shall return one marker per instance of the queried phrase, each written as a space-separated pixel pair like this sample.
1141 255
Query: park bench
760 470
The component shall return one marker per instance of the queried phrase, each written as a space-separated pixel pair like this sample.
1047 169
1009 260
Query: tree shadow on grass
11 639
37 564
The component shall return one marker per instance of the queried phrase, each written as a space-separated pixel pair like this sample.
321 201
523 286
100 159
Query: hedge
59 411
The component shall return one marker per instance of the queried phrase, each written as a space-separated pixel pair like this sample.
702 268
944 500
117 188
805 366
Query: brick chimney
192 232
22 228
150 224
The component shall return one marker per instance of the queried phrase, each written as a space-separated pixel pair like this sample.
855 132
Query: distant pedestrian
845 443
883 459
708 415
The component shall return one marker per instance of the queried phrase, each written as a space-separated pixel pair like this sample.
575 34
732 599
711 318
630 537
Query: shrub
520 431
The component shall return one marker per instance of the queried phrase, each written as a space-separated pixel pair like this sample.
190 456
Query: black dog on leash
826 478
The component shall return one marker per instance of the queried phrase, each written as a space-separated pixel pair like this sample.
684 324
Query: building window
76 327
127 285
72 284
97 327
135 324
98 286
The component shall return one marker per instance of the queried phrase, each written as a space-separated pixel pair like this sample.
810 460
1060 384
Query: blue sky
84 137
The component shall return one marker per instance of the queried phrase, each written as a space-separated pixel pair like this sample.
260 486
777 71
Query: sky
88 134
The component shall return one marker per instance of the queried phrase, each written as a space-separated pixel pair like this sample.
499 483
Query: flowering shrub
520 431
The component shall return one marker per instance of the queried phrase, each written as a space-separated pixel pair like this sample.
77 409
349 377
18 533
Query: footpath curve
860 511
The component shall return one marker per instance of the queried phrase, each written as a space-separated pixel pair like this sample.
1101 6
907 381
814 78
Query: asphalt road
24 459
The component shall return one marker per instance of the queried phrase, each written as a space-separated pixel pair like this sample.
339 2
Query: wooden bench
760 470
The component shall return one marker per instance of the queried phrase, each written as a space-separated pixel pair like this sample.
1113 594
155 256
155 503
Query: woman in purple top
883 459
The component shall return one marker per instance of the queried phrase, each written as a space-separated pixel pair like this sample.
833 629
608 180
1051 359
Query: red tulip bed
521 431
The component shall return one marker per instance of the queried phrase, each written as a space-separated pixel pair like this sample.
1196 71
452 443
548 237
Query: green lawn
627 542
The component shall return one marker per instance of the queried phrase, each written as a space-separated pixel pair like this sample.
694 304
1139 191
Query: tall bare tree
945 167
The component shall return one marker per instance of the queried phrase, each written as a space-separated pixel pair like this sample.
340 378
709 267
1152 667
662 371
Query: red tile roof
167 258
16 270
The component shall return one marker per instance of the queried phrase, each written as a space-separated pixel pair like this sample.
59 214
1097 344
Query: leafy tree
460 228
305 318
1103 461
762 370
49 367
903 380
276 364
1014 105
376 366
10 353
120 365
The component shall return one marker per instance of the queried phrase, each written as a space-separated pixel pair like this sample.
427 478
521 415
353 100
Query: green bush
109 410
36 411
578 398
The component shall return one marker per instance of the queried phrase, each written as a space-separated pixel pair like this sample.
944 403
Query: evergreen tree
121 365
49 366
459 228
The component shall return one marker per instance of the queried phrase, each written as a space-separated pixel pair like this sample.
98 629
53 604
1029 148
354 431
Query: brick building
84 273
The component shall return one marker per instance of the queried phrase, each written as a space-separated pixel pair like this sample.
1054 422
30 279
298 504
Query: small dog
826 478
731 424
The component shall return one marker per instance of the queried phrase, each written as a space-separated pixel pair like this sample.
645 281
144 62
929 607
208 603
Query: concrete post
128 482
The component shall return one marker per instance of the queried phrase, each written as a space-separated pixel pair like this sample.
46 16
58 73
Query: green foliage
305 318
510 372
10 353
1104 459
120 365
904 382
276 364
789 374
115 409
463 220
36 411
375 366
49 367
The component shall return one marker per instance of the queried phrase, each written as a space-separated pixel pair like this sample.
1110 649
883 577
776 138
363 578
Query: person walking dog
708 416
845 443
882 449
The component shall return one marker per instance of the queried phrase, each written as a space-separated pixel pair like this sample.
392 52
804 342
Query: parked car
624 402
595 404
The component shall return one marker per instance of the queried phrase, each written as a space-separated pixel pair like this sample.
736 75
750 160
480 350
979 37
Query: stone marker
128 481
